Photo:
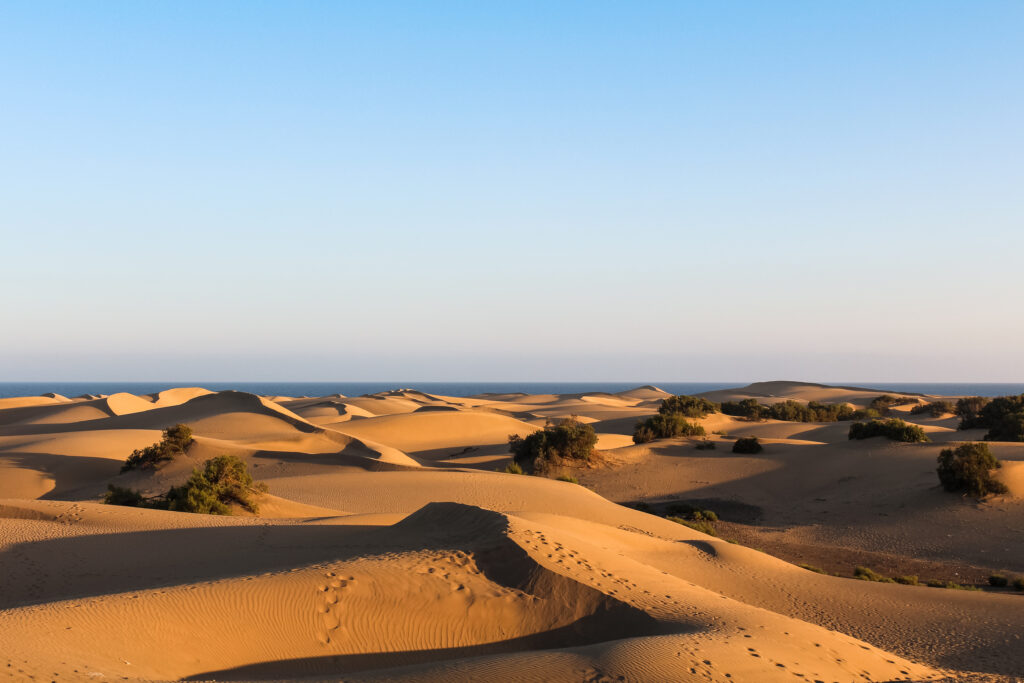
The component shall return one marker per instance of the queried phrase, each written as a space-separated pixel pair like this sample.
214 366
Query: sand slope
363 564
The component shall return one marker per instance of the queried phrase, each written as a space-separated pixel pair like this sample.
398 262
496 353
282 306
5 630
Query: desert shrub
934 409
748 408
117 495
866 414
998 581
748 444
893 429
222 481
569 478
1002 416
885 401
704 526
867 574
1018 583
1007 428
565 440
813 411
688 406
968 409
665 427
812 568
175 441
706 445
968 469
909 580
513 468
935 583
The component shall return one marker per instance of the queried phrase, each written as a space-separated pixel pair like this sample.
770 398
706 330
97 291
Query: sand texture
392 547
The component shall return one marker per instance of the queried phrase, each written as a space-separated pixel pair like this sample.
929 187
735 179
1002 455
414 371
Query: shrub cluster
695 518
968 409
566 440
792 411
893 429
968 469
687 406
222 481
934 409
667 426
705 445
748 444
1004 418
175 441
885 401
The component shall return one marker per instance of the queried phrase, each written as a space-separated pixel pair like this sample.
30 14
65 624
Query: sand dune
363 564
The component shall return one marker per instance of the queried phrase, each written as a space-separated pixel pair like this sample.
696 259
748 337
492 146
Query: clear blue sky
512 190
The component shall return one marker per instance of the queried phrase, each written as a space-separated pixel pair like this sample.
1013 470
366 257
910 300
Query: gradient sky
512 190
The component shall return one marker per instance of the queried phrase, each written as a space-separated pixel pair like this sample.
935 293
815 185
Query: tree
968 469
565 440
968 409
175 441
935 408
748 408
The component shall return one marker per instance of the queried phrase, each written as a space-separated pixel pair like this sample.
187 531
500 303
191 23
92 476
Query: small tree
175 441
747 445
934 409
968 469
565 440
222 481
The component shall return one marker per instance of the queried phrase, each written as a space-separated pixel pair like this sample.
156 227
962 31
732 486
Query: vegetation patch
687 406
933 409
668 426
747 445
566 441
968 469
223 481
175 441
868 574
569 478
513 468
705 445
892 428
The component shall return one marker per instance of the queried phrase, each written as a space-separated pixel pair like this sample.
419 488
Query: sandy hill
364 564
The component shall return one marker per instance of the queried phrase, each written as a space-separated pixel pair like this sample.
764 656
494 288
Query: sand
391 547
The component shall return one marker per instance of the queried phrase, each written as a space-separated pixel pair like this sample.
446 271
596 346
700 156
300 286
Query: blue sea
71 389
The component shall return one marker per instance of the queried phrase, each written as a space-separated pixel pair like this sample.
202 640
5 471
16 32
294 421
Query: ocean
71 389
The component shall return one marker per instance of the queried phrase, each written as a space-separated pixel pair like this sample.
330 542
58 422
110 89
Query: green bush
968 469
934 409
1002 416
688 406
175 441
706 445
703 526
513 468
885 401
812 568
569 478
866 574
968 409
1018 583
565 440
893 429
117 495
909 580
749 444
998 581
222 481
748 408
866 414
667 426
